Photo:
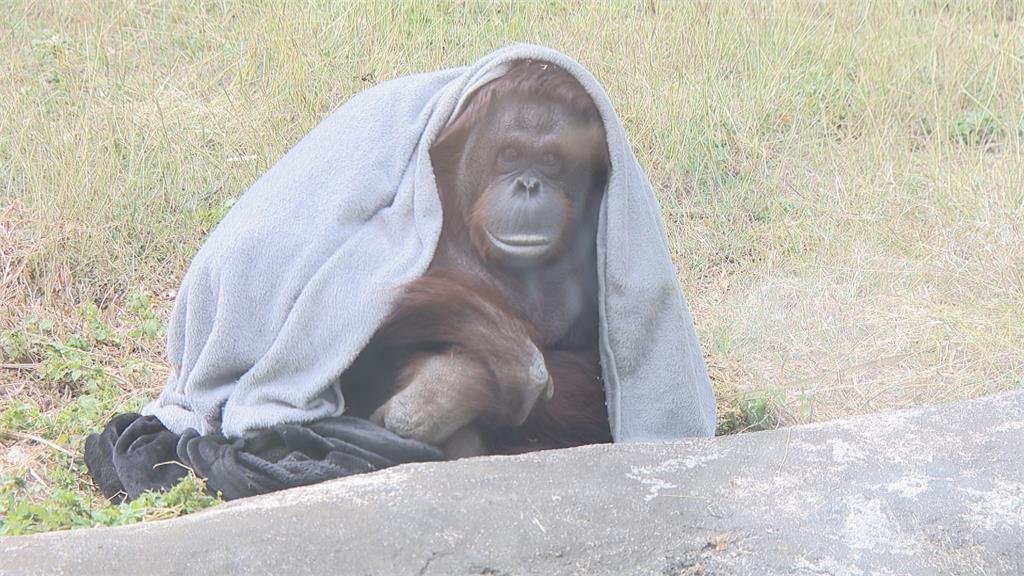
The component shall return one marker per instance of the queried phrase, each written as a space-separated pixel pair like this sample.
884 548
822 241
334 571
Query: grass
842 186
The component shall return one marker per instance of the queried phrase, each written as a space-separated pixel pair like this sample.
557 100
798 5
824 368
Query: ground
842 188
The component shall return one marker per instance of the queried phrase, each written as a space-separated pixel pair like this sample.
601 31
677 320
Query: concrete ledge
932 491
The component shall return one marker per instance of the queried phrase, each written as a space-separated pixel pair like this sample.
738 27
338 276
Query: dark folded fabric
136 453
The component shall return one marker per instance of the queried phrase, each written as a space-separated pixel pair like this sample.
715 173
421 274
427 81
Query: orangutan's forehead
535 115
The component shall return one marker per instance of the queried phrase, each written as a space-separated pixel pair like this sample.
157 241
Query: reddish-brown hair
528 78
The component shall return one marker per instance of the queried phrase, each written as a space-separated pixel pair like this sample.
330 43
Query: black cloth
136 453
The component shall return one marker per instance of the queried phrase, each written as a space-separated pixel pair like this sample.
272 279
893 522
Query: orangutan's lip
522 249
521 240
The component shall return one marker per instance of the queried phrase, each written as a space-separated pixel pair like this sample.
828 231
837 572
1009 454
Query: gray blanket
291 285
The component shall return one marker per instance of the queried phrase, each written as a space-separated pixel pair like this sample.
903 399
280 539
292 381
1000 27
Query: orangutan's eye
509 155
551 163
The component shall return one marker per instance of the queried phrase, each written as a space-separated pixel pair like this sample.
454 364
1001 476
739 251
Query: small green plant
66 362
24 344
91 407
135 367
25 510
98 401
723 341
21 416
805 405
52 493
977 127
95 327
211 214
15 345
761 410
69 362
149 324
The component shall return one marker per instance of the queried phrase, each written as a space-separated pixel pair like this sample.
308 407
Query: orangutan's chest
551 299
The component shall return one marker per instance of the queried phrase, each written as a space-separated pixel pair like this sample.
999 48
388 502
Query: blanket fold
136 453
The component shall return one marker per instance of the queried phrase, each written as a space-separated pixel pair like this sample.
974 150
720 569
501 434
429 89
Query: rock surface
932 491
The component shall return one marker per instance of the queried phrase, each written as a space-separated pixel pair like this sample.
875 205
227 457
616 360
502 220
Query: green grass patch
753 411
26 508
76 373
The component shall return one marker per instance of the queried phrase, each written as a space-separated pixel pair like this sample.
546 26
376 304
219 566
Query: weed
23 510
22 416
25 344
805 405
977 127
52 492
69 363
97 330
149 326
760 410
212 214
